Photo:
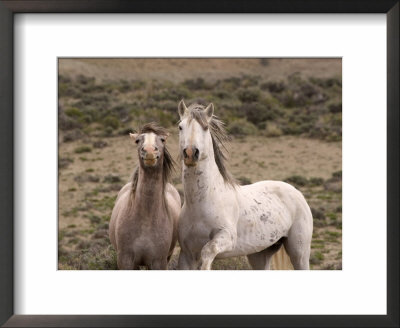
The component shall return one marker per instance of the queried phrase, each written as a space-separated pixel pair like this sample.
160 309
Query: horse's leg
185 261
298 246
221 242
257 261
262 260
159 264
125 261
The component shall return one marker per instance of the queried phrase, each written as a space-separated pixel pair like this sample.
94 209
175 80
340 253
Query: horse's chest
139 231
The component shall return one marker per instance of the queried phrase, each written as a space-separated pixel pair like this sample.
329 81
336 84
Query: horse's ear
133 135
209 111
182 109
164 137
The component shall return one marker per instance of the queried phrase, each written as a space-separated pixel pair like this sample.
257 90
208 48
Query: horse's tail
281 260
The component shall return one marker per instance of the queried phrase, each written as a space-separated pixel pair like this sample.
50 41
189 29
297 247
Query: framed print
51 59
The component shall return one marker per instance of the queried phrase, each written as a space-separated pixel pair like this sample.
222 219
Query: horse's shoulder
171 191
124 189
280 189
169 188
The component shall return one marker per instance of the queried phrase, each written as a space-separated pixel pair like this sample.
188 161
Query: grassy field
289 111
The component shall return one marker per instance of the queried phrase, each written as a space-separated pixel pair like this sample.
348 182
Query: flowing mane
168 162
219 138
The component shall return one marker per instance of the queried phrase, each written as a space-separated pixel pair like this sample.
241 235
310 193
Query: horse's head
194 135
150 145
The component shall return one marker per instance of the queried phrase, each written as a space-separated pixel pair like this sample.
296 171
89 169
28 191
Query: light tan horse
144 221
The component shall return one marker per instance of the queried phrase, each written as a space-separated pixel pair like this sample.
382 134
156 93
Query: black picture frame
10 7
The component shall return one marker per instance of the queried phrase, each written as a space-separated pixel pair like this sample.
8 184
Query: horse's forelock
168 162
219 138
153 127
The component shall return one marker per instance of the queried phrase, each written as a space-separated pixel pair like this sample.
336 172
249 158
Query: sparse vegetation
297 180
83 149
244 181
295 106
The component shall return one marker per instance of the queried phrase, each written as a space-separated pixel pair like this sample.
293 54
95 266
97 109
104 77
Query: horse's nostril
196 153
155 148
184 153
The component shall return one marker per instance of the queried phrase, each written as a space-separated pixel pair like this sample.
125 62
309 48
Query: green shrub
63 162
257 113
222 94
67 123
326 82
111 121
73 135
250 81
241 127
112 178
124 86
83 149
297 180
316 258
316 181
108 131
82 79
84 177
272 130
101 143
138 84
335 107
175 93
244 181
73 112
273 87
264 61
94 219
337 175
197 84
230 83
248 95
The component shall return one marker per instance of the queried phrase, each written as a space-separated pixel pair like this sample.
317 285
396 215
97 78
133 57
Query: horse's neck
149 194
201 180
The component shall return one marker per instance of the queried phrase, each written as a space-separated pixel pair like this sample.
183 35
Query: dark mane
168 162
219 138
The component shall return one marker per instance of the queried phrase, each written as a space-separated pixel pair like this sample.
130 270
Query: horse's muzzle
191 156
150 159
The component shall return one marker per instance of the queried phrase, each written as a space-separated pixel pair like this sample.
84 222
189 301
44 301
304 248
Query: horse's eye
137 141
180 128
162 140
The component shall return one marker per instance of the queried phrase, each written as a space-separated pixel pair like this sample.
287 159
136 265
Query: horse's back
279 191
